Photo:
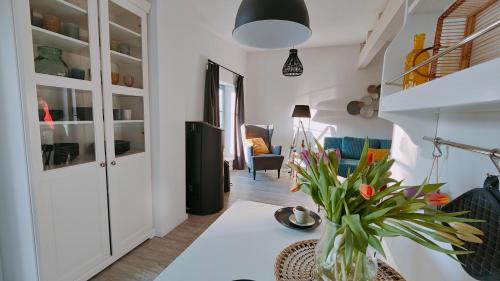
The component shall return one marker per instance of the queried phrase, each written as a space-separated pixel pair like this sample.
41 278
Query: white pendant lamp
272 24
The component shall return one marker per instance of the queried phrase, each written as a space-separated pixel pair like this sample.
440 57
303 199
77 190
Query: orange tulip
370 158
295 187
437 199
367 191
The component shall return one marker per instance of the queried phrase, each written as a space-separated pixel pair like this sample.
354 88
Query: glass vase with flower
369 205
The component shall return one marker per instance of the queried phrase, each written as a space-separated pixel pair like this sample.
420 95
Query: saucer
310 220
282 215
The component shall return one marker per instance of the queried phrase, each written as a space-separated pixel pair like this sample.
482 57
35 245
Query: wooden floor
150 258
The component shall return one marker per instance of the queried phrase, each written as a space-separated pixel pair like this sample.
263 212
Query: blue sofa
351 149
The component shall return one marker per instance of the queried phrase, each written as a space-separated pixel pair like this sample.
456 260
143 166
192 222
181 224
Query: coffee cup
301 214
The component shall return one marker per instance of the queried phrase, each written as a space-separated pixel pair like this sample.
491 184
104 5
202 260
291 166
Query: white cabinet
88 139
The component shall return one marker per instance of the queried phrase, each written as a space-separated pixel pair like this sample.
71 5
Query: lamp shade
301 111
272 24
293 66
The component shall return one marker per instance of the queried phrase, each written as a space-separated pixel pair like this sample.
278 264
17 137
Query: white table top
242 244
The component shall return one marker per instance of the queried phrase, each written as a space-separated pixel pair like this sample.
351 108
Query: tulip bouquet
370 205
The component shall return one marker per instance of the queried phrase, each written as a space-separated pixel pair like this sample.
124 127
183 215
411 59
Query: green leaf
299 170
432 218
362 160
435 226
377 214
319 146
432 234
382 232
413 235
354 223
348 246
375 243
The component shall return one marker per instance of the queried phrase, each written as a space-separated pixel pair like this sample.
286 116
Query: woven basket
460 20
296 263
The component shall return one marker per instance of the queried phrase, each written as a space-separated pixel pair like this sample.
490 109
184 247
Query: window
227 99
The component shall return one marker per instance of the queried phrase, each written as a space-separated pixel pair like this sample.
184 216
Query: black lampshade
301 111
272 24
293 66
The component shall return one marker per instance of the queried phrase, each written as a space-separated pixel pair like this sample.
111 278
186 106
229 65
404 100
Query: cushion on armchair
258 145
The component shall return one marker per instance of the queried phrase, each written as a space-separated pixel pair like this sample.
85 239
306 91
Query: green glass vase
49 61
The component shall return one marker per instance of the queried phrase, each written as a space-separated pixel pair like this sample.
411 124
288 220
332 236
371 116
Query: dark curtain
211 107
239 119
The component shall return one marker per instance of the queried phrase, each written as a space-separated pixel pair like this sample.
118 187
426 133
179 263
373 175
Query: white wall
330 71
17 249
180 47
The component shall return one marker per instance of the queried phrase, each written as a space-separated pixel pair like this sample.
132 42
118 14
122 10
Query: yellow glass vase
416 56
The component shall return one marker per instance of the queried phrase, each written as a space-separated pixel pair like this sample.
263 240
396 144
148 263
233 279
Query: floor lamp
299 111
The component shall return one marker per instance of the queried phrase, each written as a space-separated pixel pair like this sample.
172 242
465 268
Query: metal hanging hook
437 153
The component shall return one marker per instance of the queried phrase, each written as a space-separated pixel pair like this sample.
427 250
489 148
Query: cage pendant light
293 66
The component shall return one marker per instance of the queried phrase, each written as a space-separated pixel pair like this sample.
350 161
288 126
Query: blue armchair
271 161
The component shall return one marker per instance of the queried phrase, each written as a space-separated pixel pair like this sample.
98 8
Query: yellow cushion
259 146
378 154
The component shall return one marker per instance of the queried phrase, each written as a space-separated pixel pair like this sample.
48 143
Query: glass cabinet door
60 31
66 126
128 124
125 43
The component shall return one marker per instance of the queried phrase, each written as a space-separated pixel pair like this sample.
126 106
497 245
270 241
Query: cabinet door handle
113 163
102 164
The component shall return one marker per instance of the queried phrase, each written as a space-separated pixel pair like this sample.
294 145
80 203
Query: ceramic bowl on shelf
52 23
124 48
122 114
126 114
71 30
128 80
115 78
77 73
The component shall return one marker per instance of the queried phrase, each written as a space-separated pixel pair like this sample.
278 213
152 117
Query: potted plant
370 205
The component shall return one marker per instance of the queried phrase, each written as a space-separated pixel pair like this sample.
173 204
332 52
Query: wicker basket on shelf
461 19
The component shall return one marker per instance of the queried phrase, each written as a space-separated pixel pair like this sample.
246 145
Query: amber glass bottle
414 78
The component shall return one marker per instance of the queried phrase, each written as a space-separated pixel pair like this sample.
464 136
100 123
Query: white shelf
128 91
127 121
42 123
63 82
122 58
121 33
44 37
63 9
473 89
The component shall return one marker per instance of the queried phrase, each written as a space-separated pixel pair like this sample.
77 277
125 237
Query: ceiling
333 22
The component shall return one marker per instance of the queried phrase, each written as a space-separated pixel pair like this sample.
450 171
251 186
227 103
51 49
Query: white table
242 244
